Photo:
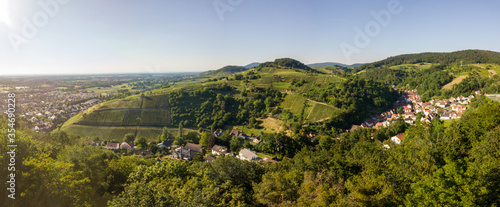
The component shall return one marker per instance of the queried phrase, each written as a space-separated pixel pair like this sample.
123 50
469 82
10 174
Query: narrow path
320 103
291 93
323 119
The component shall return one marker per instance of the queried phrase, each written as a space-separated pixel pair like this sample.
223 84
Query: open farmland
112 89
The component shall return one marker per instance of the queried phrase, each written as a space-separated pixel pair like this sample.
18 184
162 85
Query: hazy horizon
122 37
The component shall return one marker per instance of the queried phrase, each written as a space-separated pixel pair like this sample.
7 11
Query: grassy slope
485 70
118 117
457 80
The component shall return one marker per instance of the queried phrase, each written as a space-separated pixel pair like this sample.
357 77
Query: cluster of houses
43 109
115 146
410 103
190 150
186 152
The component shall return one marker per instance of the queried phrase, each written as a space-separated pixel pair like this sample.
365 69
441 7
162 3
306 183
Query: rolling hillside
186 103
288 92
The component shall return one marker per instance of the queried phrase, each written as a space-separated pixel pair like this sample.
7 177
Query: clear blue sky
121 36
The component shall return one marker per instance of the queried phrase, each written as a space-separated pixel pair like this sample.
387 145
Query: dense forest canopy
215 107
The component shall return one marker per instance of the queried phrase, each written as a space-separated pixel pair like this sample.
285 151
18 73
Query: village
411 109
44 110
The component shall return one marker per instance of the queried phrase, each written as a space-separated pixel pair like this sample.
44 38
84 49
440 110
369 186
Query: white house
246 154
398 138
218 150
127 145
442 104
445 116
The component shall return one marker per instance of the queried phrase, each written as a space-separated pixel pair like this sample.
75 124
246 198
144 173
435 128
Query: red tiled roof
401 136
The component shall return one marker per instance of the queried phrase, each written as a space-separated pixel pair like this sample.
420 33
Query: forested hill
279 63
460 57
225 71
438 75
287 63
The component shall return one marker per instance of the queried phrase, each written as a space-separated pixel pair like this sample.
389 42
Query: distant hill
251 65
325 64
460 57
225 71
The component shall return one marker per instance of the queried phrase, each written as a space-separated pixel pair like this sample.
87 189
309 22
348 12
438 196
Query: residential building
218 150
194 147
398 138
246 154
126 145
112 146
187 152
